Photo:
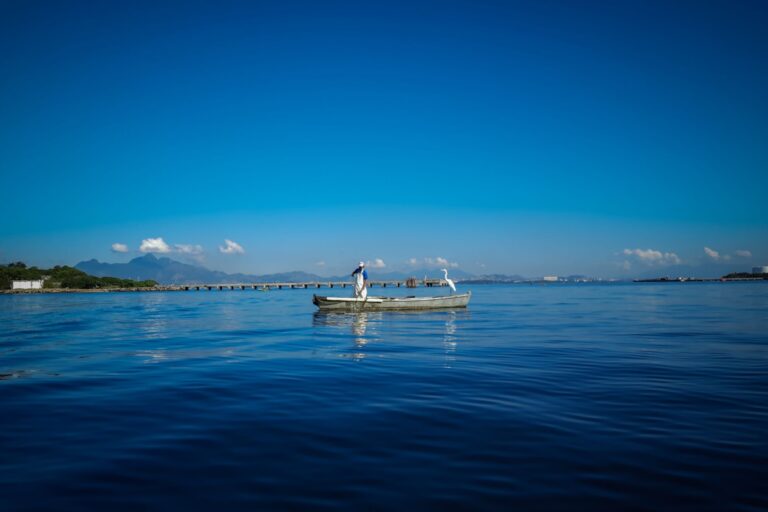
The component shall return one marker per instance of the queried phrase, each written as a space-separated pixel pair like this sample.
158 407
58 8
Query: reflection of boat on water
449 340
391 303
342 318
356 322
392 327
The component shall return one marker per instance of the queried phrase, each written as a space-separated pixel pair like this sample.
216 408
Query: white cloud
716 256
320 263
626 265
413 262
192 252
190 249
712 253
231 248
118 247
154 245
653 257
439 261
376 263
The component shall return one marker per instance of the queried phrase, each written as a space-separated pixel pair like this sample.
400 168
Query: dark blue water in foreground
582 397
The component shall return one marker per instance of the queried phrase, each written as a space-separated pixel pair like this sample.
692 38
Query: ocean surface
543 397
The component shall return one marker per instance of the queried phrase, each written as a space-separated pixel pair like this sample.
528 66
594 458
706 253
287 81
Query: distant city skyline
610 140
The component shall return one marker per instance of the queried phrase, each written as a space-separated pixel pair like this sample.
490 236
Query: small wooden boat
391 303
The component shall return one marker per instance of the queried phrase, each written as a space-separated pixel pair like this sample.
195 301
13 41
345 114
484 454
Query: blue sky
607 138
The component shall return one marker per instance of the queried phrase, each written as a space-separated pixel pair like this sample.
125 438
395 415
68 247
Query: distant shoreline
325 285
697 279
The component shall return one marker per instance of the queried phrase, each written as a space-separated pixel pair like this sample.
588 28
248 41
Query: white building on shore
27 284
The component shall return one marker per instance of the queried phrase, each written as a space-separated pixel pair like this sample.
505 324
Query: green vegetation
743 275
62 276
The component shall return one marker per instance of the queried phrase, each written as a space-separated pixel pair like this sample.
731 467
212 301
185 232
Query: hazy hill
167 271
162 270
496 278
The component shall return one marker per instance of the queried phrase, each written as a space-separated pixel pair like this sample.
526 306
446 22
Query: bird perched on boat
450 282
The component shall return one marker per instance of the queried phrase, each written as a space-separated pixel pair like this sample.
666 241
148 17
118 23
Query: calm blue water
631 397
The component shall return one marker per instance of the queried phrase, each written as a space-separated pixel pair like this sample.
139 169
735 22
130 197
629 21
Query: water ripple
636 397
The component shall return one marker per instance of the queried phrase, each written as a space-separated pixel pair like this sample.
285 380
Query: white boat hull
391 303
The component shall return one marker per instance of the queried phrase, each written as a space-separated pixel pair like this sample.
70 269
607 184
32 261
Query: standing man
361 281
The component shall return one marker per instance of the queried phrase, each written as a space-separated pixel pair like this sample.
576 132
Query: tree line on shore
63 276
745 275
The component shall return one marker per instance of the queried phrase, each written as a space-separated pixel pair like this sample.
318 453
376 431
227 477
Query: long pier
287 285
241 286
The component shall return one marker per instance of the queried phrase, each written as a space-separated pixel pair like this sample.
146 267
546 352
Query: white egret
450 282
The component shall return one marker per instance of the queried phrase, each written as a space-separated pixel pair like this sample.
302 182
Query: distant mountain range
167 271
495 278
